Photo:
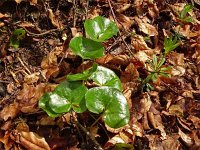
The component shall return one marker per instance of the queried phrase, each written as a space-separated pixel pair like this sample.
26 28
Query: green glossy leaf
43 103
17 35
106 77
86 48
66 96
100 28
82 76
73 93
111 103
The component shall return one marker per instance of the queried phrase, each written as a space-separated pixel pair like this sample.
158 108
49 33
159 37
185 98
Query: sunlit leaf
100 28
44 104
111 103
86 48
106 77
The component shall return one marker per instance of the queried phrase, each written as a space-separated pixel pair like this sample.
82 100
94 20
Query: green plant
99 30
155 68
73 95
170 44
183 14
16 37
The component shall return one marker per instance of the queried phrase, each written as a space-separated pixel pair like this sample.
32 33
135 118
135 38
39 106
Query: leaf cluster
73 95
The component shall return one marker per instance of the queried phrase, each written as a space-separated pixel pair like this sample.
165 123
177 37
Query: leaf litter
165 117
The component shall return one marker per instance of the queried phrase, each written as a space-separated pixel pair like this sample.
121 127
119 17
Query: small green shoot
156 68
16 37
183 14
170 44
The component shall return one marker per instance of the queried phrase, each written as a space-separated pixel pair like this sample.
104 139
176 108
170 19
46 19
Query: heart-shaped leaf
82 76
44 104
100 28
111 103
66 96
86 48
106 77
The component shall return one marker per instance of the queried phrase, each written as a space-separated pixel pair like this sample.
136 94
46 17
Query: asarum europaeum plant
106 98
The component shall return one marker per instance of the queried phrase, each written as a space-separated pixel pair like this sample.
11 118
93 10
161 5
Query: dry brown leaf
5 139
155 142
124 22
146 27
171 142
33 2
30 140
29 96
139 43
195 120
32 78
185 31
186 138
137 129
3 16
9 111
54 19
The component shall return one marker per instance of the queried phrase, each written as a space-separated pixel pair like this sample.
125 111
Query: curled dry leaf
124 22
29 140
9 111
54 19
139 43
146 27
186 32
50 64
186 138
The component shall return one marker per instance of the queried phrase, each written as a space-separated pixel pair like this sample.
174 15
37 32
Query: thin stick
120 34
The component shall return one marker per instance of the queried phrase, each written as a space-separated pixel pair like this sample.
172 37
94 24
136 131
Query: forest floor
164 111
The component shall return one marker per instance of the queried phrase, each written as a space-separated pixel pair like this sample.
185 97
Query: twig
120 34
40 34
23 65
89 135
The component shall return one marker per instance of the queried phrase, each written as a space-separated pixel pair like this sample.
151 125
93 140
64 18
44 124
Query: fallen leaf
146 27
32 78
29 140
186 139
9 111
33 2
124 22
171 142
139 43
54 19
5 139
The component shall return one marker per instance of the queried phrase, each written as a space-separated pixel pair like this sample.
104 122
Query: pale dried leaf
55 20
146 27
171 142
139 43
142 56
33 2
124 22
9 111
32 78
30 140
188 141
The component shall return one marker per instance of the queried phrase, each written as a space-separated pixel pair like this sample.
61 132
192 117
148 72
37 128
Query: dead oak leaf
146 27
54 19
30 140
